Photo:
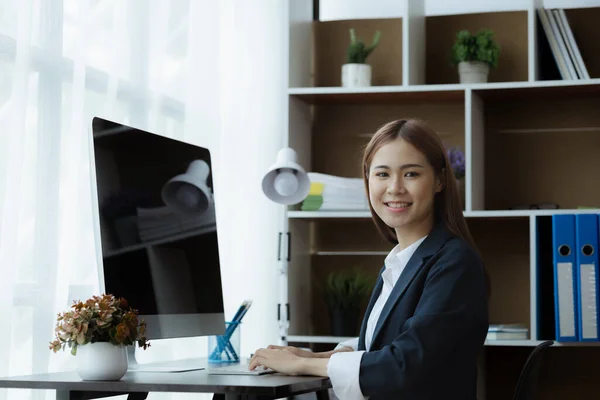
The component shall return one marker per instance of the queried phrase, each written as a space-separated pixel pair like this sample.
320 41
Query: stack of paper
161 222
507 332
329 192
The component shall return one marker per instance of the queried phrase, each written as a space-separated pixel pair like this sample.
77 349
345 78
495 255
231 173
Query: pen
223 342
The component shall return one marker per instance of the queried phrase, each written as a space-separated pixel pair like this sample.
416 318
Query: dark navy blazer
432 327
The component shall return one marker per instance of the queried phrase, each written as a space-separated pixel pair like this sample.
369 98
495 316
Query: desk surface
272 385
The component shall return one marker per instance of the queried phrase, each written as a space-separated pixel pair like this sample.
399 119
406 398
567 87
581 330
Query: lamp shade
286 182
188 193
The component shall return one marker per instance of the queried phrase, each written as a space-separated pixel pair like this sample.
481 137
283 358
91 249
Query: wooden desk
69 386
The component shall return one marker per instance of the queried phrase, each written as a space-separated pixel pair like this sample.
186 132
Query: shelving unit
528 138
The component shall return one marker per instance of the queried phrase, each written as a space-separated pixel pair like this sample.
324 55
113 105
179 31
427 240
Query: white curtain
208 72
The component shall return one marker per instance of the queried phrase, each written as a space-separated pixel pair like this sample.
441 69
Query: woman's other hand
280 360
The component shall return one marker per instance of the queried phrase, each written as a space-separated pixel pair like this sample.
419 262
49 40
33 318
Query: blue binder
565 281
586 233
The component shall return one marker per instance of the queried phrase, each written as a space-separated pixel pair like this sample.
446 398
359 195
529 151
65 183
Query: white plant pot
473 72
101 361
356 75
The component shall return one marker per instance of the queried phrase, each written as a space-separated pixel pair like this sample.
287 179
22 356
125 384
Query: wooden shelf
468 214
526 213
379 94
543 90
495 91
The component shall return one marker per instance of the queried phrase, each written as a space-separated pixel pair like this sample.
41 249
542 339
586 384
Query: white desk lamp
188 193
286 182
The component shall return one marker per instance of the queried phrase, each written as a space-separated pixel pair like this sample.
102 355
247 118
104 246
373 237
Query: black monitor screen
158 226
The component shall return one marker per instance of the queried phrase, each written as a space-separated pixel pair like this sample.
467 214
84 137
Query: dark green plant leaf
358 52
480 46
347 289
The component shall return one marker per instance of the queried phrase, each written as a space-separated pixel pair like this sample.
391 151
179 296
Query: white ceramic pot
101 362
473 72
356 75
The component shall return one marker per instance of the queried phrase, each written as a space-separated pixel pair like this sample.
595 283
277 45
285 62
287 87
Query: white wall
353 9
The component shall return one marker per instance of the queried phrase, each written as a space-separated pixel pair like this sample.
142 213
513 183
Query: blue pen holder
225 348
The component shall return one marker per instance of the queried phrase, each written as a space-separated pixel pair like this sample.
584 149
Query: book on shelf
562 44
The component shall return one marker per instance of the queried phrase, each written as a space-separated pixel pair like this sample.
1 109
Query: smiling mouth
397 205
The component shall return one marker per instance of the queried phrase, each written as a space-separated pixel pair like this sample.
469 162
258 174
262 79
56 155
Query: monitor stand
190 364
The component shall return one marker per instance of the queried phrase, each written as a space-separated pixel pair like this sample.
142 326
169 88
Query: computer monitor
156 229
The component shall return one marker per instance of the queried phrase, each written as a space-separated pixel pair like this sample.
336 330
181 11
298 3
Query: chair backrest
527 385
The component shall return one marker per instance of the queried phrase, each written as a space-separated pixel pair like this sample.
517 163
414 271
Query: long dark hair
447 205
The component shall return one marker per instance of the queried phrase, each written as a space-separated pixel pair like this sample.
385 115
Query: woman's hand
281 360
294 350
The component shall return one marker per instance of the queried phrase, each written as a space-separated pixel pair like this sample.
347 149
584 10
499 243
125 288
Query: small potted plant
475 54
345 293
356 72
456 157
97 331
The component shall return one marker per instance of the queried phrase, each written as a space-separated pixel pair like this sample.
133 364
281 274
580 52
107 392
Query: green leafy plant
347 289
480 46
357 51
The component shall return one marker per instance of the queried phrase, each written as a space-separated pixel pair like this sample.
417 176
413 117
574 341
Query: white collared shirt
344 368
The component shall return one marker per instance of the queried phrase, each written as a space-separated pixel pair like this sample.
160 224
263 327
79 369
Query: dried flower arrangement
99 319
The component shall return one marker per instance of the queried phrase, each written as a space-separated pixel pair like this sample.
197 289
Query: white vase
356 75
473 72
101 361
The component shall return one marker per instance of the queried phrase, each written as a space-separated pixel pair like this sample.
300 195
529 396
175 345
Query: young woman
427 318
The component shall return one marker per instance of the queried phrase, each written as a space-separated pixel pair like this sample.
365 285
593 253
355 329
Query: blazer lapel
438 236
376 292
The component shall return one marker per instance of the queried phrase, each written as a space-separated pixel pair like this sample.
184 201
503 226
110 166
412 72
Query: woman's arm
288 361
309 354
285 361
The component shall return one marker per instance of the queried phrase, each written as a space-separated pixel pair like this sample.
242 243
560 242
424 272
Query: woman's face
402 186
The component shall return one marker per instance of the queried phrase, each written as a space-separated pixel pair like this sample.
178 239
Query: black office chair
527 384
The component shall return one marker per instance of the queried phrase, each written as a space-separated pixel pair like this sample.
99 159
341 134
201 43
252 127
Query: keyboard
238 369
